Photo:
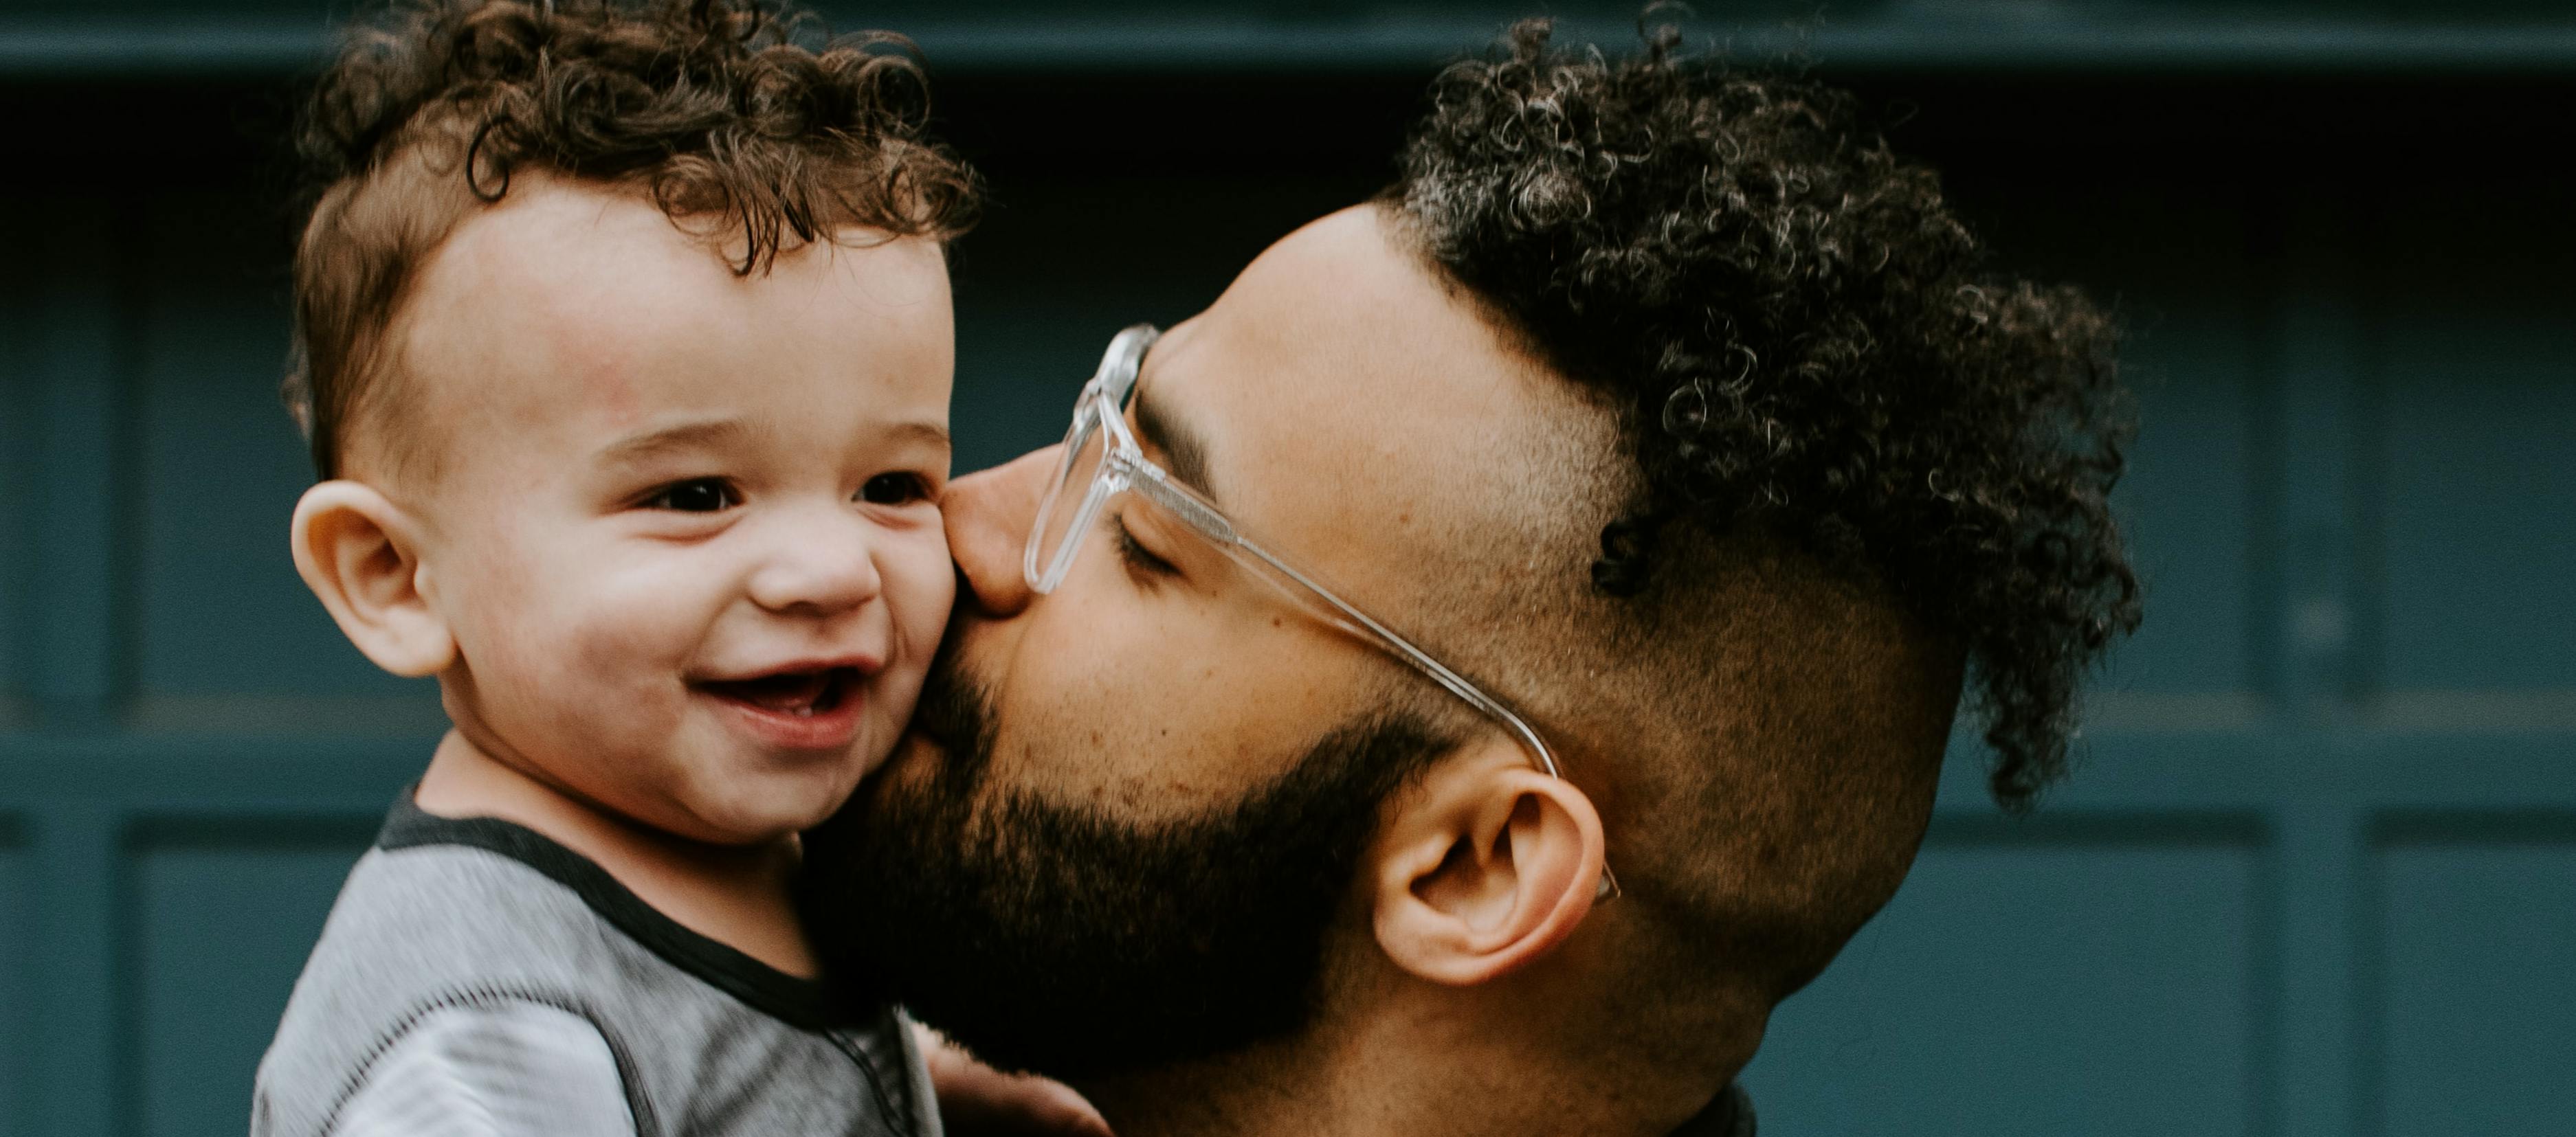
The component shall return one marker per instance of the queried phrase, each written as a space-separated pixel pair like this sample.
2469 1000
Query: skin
1472 976
645 478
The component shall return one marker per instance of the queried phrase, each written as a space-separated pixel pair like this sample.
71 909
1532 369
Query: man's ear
360 553
1489 866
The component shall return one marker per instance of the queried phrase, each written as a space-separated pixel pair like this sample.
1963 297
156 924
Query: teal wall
2315 876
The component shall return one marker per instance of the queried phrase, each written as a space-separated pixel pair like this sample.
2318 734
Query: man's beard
1065 940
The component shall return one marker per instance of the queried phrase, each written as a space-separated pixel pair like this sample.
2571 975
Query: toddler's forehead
550 325
484 317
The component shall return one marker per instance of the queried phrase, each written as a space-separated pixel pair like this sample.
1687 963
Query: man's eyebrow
694 435
1184 452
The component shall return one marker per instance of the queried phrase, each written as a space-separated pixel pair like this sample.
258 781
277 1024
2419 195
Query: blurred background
2315 876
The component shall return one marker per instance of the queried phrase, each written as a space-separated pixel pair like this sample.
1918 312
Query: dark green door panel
15 930
220 615
17 451
2007 956
2479 432
223 911
2477 953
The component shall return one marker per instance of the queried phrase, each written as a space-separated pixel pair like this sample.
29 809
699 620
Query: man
1464 679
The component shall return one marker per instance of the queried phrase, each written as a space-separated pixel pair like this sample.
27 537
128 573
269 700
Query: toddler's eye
894 489
697 495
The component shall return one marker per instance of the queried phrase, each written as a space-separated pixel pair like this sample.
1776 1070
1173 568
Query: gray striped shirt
477 978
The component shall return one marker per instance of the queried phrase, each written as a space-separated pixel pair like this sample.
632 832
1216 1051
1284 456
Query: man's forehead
1287 372
1343 401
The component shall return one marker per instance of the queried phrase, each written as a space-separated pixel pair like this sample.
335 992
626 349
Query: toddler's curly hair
743 123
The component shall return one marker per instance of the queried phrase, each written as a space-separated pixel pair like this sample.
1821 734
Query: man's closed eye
1141 562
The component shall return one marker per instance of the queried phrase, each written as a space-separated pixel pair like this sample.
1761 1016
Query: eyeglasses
1102 460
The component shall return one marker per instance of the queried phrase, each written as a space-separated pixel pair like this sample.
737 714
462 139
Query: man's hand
976 1100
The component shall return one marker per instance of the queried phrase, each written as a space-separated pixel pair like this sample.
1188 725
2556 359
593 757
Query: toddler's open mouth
801 694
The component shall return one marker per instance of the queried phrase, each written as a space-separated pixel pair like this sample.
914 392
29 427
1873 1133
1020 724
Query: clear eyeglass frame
1100 453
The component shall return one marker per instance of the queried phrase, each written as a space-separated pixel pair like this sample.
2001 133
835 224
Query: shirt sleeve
924 1098
499 1070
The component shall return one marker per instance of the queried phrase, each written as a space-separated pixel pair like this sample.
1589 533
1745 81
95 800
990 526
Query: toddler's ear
360 553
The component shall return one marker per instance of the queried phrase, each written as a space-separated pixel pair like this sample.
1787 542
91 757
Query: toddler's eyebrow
711 434
929 432
702 434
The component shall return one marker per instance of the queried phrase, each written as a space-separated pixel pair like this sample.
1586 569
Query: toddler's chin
762 819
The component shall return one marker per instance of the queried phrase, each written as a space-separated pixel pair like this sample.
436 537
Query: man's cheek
1147 737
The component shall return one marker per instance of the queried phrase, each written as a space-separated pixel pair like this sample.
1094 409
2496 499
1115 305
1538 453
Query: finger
975 1100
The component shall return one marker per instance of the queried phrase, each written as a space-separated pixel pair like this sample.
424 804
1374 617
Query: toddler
624 349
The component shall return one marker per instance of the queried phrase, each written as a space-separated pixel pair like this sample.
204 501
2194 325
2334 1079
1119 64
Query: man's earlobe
360 554
1490 867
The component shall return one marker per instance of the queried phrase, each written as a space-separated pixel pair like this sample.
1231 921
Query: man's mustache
955 712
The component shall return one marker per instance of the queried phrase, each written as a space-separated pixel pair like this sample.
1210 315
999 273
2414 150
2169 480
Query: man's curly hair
744 124
1803 340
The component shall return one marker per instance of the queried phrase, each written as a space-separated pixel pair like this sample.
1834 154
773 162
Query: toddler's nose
818 565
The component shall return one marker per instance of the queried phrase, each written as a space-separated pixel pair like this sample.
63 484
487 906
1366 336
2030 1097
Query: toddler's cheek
920 588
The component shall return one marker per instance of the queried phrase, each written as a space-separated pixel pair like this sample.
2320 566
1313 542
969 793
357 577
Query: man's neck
1466 1108
1408 1077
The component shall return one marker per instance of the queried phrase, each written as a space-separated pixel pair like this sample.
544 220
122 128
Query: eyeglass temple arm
1215 526
1200 516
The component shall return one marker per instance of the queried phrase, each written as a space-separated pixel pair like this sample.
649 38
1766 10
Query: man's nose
989 513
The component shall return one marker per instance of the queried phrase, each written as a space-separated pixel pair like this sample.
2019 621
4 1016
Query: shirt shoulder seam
807 1004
